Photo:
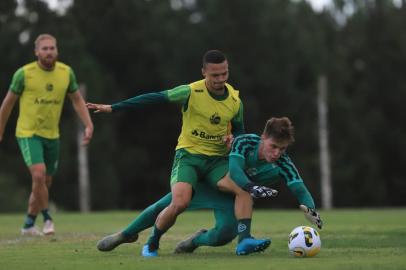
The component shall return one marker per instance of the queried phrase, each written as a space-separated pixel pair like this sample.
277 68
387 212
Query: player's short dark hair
213 57
280 129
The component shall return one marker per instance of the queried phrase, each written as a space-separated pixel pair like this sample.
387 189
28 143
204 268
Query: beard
48 61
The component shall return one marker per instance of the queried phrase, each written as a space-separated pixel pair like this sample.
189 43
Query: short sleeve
179 94
17 83
73 84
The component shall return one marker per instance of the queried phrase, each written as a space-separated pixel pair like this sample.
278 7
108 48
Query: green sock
244 229
46 215
153 240
209 238
29 221
143 221
146 218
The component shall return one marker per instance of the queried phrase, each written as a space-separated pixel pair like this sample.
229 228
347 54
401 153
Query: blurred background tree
277 50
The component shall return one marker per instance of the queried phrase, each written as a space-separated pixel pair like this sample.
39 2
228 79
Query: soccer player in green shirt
211 108
254 161
41 87
259 161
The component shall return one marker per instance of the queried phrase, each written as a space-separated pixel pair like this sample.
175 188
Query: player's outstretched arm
312 216
5 110
99 108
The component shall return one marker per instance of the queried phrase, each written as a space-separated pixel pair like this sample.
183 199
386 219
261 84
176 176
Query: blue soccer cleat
147 253
251 245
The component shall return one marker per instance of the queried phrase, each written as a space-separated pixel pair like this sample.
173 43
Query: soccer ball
304 241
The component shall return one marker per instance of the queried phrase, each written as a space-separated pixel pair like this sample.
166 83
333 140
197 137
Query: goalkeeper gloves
260 191
312 216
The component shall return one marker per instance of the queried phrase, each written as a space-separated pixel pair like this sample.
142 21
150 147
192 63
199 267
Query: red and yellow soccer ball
304 241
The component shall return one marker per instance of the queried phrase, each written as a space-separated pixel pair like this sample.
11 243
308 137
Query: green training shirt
42 94
246 167
182 95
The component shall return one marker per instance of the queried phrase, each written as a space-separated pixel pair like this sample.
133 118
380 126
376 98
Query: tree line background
277 49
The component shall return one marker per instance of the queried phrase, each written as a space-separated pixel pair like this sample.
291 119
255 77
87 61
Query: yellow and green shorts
192 168
38 149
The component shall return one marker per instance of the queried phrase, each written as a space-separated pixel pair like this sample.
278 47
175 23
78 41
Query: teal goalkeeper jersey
246 167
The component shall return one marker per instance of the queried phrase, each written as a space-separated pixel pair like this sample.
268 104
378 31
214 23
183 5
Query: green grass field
351 239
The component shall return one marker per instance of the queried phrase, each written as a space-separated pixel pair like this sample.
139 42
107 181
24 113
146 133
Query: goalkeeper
254 161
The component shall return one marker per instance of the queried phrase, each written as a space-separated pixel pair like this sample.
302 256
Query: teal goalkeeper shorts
37 150
191 168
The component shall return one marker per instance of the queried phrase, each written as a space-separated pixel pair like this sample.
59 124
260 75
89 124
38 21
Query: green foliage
276 49
351 239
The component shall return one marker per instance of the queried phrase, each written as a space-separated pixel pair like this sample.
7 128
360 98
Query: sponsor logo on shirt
204 135
215 119
199 90
251 171
49 87
42 101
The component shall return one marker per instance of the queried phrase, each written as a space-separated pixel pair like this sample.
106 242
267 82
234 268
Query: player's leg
51 159
208 197
37 199
243 208
181 196
144 220
49 227
223 233
147 218
219 178
243 211
32 151
183 179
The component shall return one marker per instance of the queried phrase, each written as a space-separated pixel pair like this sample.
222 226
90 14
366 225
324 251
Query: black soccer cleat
110 242
187 246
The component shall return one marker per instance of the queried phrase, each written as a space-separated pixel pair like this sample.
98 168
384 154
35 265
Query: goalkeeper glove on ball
312 216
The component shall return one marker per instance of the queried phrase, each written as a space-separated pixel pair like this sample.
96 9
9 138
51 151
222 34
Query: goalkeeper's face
272 149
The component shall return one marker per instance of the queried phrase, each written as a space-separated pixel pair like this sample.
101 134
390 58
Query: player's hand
312 216
88 135
99 108
228 140
260 191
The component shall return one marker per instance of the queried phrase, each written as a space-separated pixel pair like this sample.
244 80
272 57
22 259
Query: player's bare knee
48 181
38 177
178 207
